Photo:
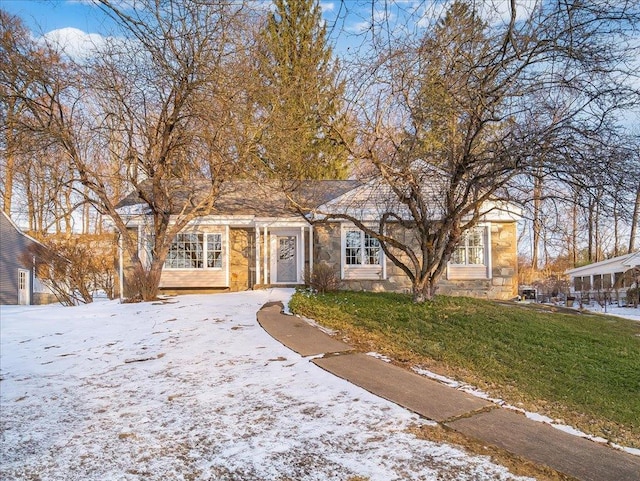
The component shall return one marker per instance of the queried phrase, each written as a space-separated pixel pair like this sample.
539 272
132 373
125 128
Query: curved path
472 416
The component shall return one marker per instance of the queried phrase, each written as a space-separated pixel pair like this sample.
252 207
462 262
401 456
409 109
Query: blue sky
43 16
345 17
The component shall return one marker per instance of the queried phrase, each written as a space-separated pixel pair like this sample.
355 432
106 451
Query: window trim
205 252
366 271
468 248
481 271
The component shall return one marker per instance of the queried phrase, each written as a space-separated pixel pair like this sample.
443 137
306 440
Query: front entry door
287 261
23 287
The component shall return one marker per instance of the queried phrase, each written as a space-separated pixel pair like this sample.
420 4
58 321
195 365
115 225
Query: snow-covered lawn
193 389
632 313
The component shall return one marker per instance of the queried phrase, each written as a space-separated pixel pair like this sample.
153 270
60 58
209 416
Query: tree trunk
10 159
152 284
9 174
590 229
30 206
634 222
616 229
146 281
597 245
68 212
424 290
574 233
537 222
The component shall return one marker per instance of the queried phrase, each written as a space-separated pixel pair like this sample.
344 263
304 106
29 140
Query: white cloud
75 43
499 11
120 4
495 12
327 6
378 17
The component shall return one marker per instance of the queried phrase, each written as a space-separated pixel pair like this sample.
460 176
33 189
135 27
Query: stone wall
502 285
128 270
43 298
241 251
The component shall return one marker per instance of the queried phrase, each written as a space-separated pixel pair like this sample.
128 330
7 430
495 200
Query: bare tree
634 222
75 266
445 119
13 41
155 111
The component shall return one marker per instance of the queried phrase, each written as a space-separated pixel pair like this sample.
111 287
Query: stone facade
242 259
501 285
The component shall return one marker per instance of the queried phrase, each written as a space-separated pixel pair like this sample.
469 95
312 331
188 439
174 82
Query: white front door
287 258
23 287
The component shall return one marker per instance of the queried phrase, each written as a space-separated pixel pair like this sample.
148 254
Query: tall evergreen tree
300 100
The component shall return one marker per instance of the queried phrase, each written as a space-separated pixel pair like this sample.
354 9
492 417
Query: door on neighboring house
287 260
23 287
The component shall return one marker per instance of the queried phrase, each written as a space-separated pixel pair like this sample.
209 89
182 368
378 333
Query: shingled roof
243 197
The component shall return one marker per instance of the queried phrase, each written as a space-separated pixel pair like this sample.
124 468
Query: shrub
75 266
633 296
323 278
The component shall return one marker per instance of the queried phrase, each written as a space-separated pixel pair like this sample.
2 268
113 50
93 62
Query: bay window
195 251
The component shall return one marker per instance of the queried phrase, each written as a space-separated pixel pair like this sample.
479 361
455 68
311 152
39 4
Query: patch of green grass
583 368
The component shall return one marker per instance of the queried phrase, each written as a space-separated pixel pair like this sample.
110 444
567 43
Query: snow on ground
632 313
193 389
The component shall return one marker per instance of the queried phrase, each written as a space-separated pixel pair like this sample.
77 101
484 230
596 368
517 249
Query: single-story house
610 275
254 237
19 283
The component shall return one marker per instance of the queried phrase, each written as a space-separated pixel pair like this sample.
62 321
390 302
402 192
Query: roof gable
19 231
607 266
369 201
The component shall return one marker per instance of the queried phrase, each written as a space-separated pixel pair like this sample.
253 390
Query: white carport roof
609 266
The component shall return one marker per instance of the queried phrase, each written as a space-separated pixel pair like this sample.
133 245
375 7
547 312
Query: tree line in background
186 96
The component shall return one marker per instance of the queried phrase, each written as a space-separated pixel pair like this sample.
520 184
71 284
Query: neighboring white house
611 275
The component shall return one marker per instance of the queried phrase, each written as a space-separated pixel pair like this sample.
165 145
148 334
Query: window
361 249
597 282
195 251
471 250
214 251
362 256
577 284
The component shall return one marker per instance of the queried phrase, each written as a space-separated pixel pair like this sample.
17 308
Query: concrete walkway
474 417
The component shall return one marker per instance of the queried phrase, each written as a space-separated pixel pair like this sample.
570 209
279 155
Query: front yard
579 369
194 389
